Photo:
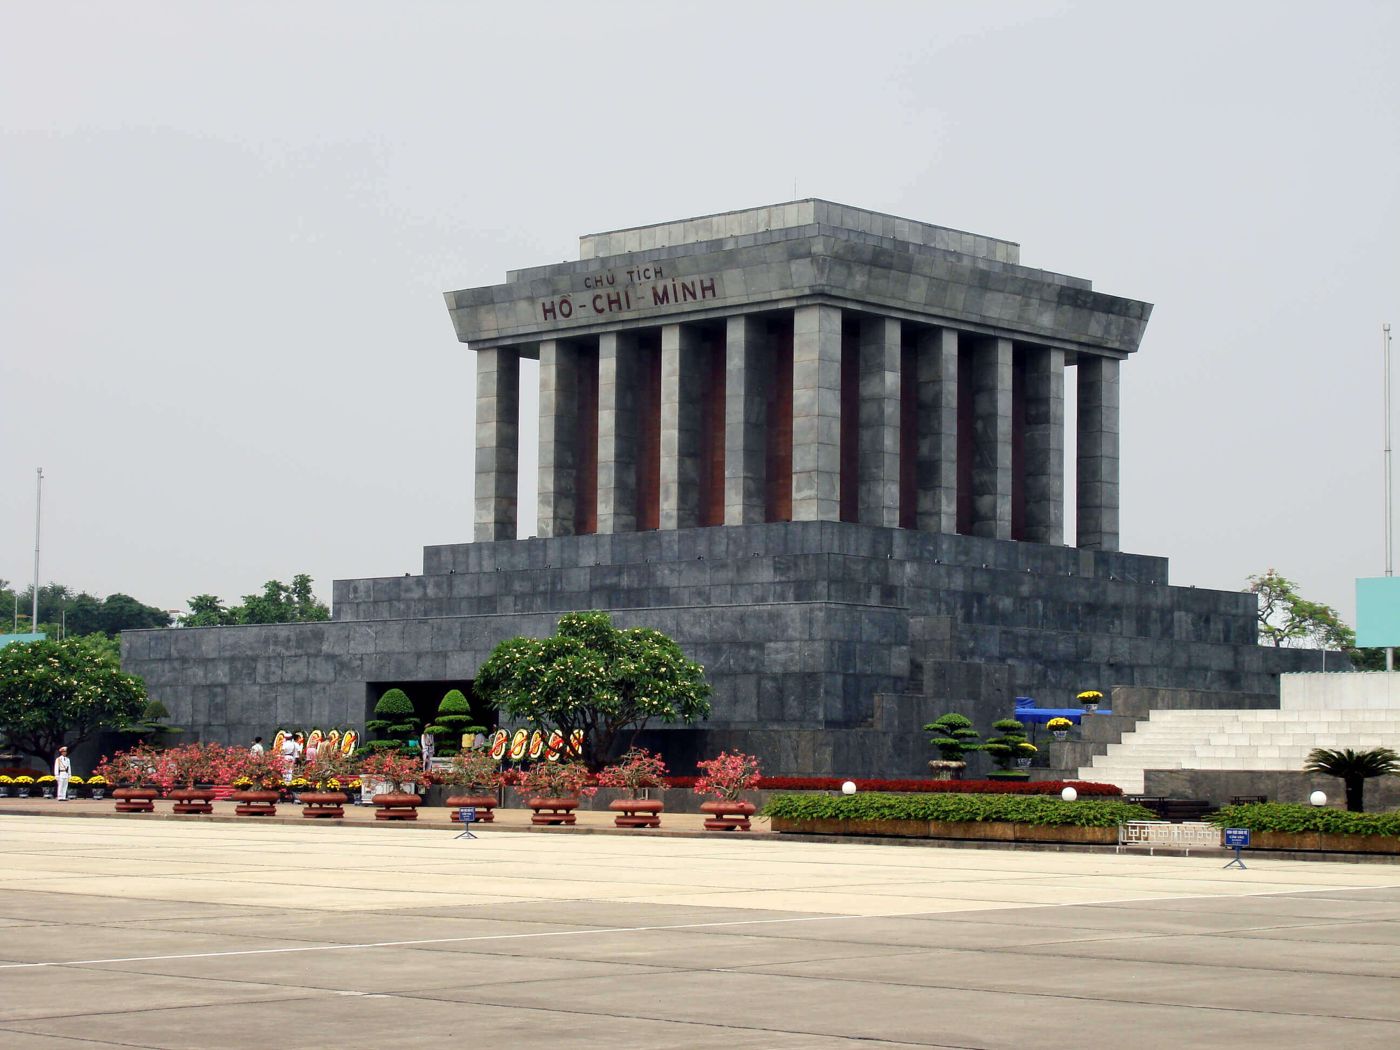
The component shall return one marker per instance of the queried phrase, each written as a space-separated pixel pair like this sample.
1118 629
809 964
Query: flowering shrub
637 769
24 780
140 765
329 768
77 780
1089 696
393 767
190 764
555 780
727 774
96 780
1059 724
47 778
473 770
265 771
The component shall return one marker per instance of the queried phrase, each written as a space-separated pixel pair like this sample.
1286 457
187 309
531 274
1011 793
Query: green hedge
1296 817
1016 809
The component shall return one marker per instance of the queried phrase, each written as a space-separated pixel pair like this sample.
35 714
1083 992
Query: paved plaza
155 933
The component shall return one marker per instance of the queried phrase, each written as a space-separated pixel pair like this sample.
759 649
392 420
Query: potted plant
1007 748
258 782
390 774
954 737
725 776
553 789
325 774
47 785
1059 727
192 765
1025 753
133 772
476 775
7 784
453 725
24 785
75 786
634 772
1090 700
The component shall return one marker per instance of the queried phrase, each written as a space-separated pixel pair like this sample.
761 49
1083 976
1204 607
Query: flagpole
38 504
1389 523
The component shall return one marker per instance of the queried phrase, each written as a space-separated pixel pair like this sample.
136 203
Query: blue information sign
467 815
1236 839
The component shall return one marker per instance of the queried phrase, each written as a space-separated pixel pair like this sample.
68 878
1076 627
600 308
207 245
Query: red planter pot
193 800
485 806
255 803
136 800
553 811
637 812
727 816
396 805
323 804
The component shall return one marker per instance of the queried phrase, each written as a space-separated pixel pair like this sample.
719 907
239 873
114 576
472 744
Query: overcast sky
225 230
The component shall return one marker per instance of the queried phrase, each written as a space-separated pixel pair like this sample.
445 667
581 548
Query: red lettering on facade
547 310
707 288
660 295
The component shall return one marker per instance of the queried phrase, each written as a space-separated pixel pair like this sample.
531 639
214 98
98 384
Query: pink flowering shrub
727 774
556 780
637 769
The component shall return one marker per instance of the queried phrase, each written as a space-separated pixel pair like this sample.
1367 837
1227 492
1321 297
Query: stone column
680 427
744 460
497 443
878 470
617 432
937 471
558 427
816 413
1097 453
991 436
1045 445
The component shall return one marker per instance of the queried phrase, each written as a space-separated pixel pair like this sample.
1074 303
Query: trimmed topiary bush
954 736
393 715
454 718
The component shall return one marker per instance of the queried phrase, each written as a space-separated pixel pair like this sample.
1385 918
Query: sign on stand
467 815
1236 839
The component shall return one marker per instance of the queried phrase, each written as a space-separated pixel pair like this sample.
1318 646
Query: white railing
1155 834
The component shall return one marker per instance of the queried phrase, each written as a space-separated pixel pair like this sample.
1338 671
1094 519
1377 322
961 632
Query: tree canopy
61 692
594 677
63 610
278 603
1286 618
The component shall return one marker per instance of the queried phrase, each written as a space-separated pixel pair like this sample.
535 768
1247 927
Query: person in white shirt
62 770
257 748
290 749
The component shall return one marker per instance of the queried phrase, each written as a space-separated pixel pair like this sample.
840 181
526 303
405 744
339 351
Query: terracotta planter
484 805
323 804
727 815
1317 840
396 805
637 812
256 803
193 800
135 799
553 811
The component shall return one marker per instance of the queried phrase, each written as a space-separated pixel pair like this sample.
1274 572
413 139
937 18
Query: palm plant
1353 768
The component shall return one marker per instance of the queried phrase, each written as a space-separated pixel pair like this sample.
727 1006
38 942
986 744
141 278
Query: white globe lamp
1069 794
848 788
1318 798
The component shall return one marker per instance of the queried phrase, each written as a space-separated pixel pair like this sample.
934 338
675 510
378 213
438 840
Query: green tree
1353 768
57 692
1010 745
1287 618
278 603
206 610
394 721
594 677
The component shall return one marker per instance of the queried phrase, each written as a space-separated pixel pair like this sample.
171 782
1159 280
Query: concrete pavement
118 932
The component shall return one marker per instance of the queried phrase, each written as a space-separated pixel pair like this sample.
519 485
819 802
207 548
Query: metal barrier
1154 834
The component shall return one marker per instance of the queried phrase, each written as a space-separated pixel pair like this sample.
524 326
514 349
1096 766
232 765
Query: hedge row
1017 809
1296 817
942 787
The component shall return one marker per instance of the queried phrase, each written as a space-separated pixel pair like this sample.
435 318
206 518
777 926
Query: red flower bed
976 787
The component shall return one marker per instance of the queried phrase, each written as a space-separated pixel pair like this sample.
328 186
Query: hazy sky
225 230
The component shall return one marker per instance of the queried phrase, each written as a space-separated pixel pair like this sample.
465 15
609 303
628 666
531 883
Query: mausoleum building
822 447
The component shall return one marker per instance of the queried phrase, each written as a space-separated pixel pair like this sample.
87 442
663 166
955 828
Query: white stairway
1238 739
